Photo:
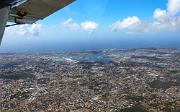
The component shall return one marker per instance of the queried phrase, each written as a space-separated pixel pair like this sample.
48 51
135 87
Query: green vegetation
135 98
16 76
174 71
162 84
137 108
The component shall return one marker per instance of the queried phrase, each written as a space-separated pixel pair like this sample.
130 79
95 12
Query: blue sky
99 24
106 11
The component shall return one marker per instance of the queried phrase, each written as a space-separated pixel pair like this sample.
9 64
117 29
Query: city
115 80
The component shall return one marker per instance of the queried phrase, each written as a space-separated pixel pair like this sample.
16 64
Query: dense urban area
116 80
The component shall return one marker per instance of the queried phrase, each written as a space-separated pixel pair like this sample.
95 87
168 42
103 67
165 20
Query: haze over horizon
102 24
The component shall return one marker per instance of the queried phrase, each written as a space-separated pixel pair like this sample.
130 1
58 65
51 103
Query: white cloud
129 24
161 15
167 19
71 24
86 25
176 23
24 30
164 20
35 29
173 6
89 25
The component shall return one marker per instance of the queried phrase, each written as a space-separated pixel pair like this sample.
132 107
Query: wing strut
4 13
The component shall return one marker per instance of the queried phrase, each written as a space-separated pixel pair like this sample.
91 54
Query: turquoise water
102 56
90 57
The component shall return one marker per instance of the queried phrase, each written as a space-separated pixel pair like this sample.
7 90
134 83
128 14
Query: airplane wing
33 10
27 11
3 20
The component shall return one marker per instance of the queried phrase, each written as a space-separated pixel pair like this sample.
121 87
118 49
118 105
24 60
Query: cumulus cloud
71 24
86 25
161 15
173 6
89 25
167 19
24 30
129 24
162 20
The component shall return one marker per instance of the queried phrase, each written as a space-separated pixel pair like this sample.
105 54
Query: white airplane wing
33 10
3 20
28 11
